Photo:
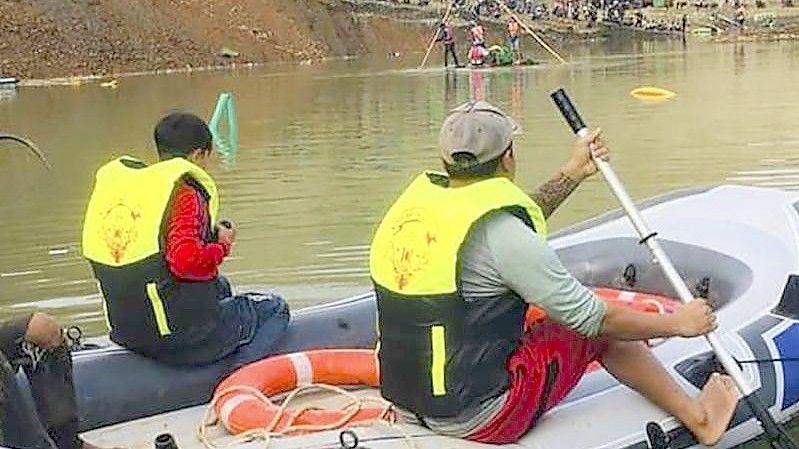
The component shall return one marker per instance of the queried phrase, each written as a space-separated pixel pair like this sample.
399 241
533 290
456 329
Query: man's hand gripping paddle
778 437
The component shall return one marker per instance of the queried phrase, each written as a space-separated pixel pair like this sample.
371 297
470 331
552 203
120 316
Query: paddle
777 435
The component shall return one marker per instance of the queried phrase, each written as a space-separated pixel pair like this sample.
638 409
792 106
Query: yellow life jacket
440 354
123 239
128 205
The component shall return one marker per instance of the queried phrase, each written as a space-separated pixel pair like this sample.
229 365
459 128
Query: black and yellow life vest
123 239
440 354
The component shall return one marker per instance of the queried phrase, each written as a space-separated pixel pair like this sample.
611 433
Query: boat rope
781 359
267 433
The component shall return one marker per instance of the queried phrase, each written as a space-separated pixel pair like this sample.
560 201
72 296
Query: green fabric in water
227 143
501 55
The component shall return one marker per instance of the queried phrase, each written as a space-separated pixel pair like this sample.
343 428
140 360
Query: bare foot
718 400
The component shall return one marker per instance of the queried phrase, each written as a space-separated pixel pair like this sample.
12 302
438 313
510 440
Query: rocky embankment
65 38
43 39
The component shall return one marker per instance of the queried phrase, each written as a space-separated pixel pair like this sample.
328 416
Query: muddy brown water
325 149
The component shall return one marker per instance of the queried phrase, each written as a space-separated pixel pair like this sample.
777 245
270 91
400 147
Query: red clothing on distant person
188 255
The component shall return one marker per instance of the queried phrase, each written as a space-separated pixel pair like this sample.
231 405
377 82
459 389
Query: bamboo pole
531 32
433 41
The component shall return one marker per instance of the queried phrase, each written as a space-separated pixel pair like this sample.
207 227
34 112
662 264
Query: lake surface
326 148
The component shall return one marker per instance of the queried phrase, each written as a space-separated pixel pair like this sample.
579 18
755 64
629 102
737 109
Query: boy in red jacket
155 243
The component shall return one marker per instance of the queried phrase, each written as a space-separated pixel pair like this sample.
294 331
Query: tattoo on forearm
552 193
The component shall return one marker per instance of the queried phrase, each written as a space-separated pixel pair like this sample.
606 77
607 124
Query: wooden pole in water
530 31
433 42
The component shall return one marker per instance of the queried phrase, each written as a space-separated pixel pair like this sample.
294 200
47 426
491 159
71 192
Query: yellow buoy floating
652 93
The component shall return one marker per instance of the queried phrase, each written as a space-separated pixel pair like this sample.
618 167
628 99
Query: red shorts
546 346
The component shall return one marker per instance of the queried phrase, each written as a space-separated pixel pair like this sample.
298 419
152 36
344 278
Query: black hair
466 166
180 134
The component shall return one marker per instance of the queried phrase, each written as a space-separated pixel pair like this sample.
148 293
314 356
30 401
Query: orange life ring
239 409
644 302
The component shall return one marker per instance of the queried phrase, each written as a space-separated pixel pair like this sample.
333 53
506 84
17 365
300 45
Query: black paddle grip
564 103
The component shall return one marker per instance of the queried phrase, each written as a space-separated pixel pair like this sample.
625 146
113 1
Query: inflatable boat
738 246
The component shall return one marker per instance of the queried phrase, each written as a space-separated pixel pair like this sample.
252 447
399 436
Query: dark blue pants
248 327
262 322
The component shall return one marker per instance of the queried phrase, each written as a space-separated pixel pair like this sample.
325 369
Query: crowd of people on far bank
481 54
537 9
590 11
626 13
622 13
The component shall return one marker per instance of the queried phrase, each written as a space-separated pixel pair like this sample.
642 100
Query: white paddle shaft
646 235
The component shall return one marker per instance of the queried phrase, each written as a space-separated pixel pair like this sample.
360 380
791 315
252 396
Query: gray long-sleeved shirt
503 254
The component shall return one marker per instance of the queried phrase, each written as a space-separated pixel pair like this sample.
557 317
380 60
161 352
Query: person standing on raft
154 241
514 38
478 51
456 262
447 37
740 15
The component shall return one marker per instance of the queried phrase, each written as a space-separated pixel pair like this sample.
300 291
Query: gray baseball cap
477 128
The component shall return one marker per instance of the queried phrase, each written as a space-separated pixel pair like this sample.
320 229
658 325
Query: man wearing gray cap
456 263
